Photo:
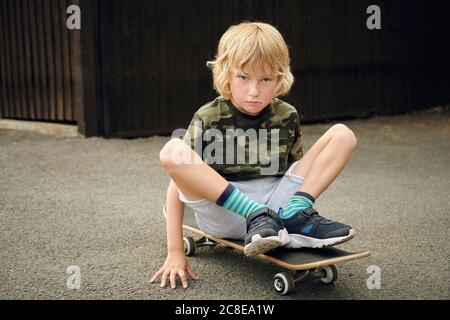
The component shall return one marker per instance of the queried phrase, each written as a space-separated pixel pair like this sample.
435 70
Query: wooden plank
50 59
17 60
90 68
56 27
37 89
127 63
17 108
76 81
131 60
141 106
164 54
26 38
66 67
4 103
9 63
148 36
43 87
112 75
158 97
18 11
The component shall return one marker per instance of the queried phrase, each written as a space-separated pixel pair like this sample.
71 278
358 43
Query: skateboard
301 265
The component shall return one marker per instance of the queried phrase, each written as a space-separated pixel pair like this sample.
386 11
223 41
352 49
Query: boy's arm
174 222
176 264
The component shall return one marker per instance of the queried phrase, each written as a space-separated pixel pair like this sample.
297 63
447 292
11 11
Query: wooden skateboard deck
302 263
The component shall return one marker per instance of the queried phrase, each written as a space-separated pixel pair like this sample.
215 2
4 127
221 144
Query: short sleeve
194 134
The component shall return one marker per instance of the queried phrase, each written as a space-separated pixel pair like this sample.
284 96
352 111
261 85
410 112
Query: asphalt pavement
89 209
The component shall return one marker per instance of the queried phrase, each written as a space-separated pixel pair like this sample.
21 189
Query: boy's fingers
170 277
192 274
173 279
183 279
164 279
155 276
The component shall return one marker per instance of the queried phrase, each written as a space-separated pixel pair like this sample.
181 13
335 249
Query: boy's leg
320 166
196 180
325 159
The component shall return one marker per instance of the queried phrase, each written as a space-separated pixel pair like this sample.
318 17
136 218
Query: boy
268 198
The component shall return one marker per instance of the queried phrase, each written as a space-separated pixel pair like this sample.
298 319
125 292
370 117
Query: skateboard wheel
189 245
283 283
330 274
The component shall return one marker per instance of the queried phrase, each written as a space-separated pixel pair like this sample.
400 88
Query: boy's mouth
253 102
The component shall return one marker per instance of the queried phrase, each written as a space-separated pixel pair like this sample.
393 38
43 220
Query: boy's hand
176 265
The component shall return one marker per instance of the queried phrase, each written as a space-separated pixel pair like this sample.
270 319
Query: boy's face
253 88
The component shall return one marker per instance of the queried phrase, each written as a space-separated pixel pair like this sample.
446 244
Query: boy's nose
253 90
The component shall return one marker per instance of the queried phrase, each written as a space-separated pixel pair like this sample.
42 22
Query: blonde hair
247 44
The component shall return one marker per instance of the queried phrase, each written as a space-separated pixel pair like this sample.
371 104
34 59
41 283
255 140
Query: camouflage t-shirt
242 147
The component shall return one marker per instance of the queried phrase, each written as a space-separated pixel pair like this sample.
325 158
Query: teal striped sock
234 200
299 201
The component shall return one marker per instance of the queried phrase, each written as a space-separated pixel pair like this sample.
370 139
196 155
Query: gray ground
96 203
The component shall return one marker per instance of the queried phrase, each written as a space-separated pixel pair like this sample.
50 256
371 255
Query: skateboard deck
303 263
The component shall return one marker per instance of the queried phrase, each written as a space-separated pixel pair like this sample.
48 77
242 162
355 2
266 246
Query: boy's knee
345 133
170 150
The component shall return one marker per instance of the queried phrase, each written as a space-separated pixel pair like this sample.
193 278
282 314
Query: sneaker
265 231
307 229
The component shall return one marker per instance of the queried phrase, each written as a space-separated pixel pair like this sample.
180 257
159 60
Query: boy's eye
244 78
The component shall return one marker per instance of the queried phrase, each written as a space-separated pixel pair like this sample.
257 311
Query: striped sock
234 200
299 201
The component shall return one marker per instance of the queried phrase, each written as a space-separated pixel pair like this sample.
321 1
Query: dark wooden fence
38 61
155 74
143 67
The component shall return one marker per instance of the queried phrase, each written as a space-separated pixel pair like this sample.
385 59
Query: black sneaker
265 231
307 229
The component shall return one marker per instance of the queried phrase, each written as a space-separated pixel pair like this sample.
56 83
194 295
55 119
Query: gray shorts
274 192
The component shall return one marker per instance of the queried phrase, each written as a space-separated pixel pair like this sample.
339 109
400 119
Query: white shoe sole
299 241
262 245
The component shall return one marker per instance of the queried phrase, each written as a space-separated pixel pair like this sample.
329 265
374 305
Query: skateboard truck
190 244
284 282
